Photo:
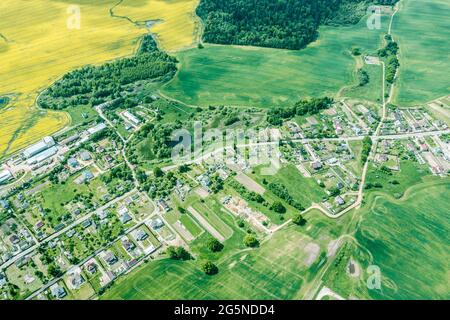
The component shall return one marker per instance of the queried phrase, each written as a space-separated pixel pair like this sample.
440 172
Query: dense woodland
93 85
289 24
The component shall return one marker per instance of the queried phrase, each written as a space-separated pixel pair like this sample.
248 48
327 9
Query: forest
286 24
94 85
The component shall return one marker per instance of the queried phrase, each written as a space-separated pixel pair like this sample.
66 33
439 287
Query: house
99 127
58 291
110 258
317 165
131 117
128 245
91 267
85 156
85 176
14 239
76 280
70 233
72 162
4 204
339 201
141 235
86 223
5 175
2 280
163 205
156 224
102 215
124 218
39 147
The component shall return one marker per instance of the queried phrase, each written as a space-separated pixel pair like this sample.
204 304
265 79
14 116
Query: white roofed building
97 128
5 175
44 155
37 148
131 117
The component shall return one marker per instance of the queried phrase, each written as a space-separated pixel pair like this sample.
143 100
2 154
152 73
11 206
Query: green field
191 225
422 29
303 190
276 270
233 75
407 239
371 91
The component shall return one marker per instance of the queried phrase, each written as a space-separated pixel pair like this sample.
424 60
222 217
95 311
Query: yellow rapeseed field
41 40
176 24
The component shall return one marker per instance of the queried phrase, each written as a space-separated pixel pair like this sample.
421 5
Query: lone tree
158 172
210 268
278 207
178 253
251 241
299 220
214 245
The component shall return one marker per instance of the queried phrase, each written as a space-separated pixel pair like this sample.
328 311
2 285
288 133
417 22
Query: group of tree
389 52
214 245
276 116
210 268
367 146
282 192
299 220
363 77
251 241
178 253
94 85
247 194
288 24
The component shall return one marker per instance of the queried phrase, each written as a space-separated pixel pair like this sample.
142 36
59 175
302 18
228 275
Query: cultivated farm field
173 22
234 75
281 269
422 29
41 40
406 240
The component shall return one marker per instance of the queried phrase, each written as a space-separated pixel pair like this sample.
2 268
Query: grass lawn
191 225
250 76
304 190
81 114
410 173
211 211
371 91
355 164
422 29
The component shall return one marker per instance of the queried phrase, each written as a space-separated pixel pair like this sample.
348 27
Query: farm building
5 175
39 147
131 117
42 156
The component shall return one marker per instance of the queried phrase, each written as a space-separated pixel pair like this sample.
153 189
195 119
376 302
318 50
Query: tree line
276 116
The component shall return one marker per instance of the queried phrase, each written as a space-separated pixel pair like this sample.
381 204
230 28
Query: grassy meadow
250 76
422 30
